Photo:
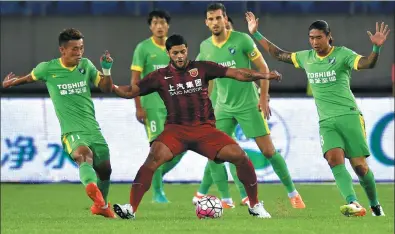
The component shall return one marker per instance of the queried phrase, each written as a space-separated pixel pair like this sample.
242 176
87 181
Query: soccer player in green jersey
239 103
149 56
342 127
67 79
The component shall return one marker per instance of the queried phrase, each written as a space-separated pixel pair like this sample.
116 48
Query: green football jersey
148 57
329 78
70 92
214 93
237 52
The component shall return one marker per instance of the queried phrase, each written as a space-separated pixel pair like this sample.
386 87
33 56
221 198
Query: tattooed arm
271 48
247 75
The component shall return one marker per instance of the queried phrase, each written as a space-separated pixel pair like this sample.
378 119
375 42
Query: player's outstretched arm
126 91
106 83
378 40
247 75
271 48
12 80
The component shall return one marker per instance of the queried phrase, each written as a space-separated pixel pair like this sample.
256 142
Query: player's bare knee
83 154
268 153
334 157
238 156
361 170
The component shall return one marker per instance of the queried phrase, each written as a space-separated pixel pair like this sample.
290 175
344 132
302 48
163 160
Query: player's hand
106 61
9 79
263 106
381 34
252 22
275 75
141 115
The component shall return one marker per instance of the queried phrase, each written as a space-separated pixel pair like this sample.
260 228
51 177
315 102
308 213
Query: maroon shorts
203 139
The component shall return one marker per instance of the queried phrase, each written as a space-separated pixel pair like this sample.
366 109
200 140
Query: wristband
376 49
257 35
107 72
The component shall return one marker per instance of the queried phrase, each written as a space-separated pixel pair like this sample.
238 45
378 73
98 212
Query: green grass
64 208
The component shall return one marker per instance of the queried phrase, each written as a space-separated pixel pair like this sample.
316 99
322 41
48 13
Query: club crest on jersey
82 71
232 50
331 60
193 72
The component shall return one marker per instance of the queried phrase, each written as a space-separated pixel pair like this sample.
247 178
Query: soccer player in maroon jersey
190 123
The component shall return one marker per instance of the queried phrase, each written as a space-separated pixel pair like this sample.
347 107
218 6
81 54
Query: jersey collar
64 66
219 45
157 45
330 52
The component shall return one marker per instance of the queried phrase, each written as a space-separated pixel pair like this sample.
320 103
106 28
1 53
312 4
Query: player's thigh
227 125
72 141
253 123
209 141
155 123
172 137
99 147
329 136
352 129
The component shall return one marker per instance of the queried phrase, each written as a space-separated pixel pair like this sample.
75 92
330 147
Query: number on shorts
72 138
153 126
322 140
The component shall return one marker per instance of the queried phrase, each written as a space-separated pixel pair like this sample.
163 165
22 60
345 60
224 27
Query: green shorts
252 122
346 132
155 122
92 139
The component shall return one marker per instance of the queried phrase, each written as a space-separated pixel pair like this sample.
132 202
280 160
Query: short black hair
175 40
230 20
215 6
69 34
159 14
323 26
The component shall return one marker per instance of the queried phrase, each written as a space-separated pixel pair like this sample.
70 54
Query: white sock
200 194
105 206
227 200
293 193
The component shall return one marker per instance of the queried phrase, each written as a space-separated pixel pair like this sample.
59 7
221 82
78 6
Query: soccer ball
209 207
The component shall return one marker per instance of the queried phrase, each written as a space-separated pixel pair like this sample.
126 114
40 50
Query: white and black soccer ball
209 207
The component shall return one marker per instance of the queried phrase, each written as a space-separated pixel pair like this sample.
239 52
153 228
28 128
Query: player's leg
102 166
76 146
163 149
254 125
239 185
353 130
154 125
218 146
226 124
333 149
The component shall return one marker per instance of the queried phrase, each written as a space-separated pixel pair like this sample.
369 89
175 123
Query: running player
149 56
237 102
190 124
67 79
342 127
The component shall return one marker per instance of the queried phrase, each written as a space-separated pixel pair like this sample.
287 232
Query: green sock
238 183
207 180
104 186
171 164
87 174
281 169
344 183
220 178
157 181
369 185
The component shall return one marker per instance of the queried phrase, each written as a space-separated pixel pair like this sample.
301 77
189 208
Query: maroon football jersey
184 92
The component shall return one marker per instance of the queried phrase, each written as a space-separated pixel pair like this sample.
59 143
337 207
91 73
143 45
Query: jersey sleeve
351 58
299 58
213 70
138 59
149 84
40 72
94 74
250 47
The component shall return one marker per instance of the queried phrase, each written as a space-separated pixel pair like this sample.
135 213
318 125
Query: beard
176 65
